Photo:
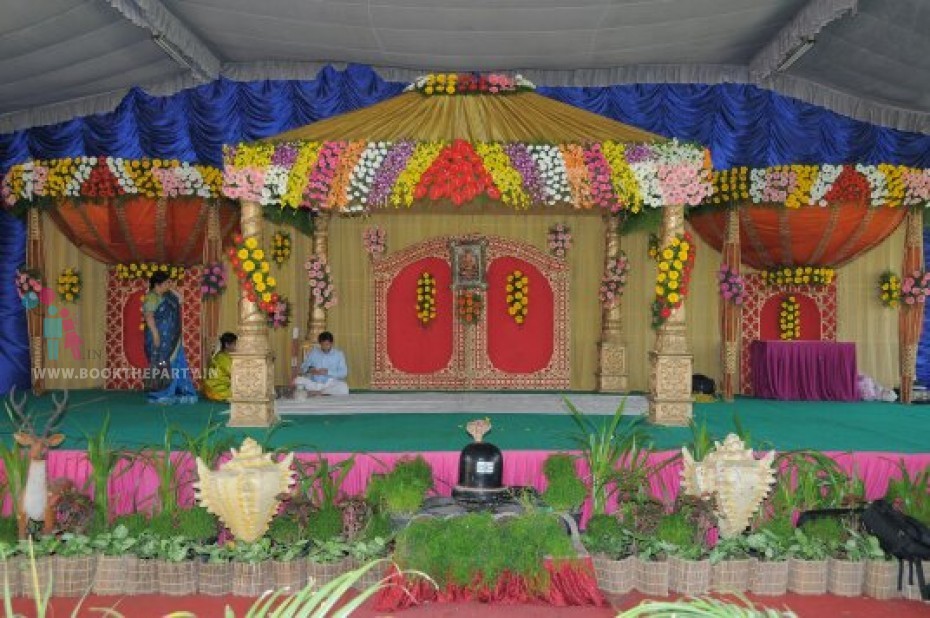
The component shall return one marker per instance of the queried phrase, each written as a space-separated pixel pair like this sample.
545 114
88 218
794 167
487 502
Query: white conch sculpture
738 481
244 492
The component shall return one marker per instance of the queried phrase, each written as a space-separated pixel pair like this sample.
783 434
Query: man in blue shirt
324 370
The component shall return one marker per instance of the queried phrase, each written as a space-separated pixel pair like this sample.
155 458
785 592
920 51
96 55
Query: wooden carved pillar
612 371
911 317
35 317
252 362
670 363
212 249
316 322
730 313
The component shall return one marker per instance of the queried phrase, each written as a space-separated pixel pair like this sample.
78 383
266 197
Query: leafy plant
859 547
174 549
213 553
198 524
767 545
8 531
804 547
208 445
115 542
809 480
403 489
40 547
290 551
321 481
330 550
363 551
702 442
676 531
830 531
911 494
325 524
732 548
73 545
605 535
564 490
285 530
103 458
15 466
251 553
159 458
147 546
135 523
703 608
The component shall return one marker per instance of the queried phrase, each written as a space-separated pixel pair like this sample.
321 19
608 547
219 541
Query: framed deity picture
468 264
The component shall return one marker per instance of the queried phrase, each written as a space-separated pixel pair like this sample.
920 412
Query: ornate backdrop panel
494 353
761 312
125 348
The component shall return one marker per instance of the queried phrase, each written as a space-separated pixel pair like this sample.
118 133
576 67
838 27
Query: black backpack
900 536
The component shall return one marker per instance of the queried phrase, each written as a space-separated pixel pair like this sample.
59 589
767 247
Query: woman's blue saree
168 360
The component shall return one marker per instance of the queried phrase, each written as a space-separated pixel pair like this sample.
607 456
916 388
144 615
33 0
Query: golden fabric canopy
520 117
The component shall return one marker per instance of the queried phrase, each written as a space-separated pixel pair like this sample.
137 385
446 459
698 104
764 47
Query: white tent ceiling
869 59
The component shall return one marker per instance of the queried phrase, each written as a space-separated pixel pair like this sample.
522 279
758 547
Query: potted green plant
611 549
288 563
565 492
327 560
103 458
141 571
113 553
214 572
38 571
251 567
652 576
847 563
9 568
769 545
74 566
401 492
688 566
177 572
807 561
881 572
364 551
730 565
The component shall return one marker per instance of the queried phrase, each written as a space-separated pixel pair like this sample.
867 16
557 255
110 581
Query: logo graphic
58 325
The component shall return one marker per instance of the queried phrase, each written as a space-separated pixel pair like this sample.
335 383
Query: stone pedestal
252 362
611 350
612 372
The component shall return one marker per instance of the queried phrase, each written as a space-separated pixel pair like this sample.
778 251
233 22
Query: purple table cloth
804 370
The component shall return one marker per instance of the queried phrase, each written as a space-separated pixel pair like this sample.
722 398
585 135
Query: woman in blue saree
171 377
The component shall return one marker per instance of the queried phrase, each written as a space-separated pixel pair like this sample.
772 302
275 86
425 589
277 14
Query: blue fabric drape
923 348
14 342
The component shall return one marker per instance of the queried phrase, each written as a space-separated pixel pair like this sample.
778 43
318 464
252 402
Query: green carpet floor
866 426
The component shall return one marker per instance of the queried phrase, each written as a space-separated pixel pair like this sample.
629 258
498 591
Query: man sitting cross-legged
324 370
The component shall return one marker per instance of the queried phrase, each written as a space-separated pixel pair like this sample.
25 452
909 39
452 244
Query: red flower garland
458 173
101 183
850 186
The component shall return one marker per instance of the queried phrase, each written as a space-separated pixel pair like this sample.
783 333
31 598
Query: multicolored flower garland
69 285
448 84
361 176
426 298
518 296
799 186
732 286
799 275
915 288
251 267
145 270
676 262
614 280
279 313
789 319
375 241
107 177
29 286
319 276
560 240
889 288
469 306
213 280
281 247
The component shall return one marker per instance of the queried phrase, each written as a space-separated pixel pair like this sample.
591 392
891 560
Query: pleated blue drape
14 342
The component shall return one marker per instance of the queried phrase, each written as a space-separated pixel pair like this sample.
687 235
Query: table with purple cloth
804 370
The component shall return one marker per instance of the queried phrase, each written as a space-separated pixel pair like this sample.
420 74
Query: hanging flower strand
614 280
732 287
889 287
322 290
69 285
675 264
560 240
375 241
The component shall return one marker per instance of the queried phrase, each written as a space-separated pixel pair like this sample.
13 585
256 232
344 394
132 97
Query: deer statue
39 499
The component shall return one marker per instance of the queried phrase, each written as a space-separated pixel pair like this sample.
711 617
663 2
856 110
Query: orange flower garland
789 319
518 296
470 304
251 267
426 298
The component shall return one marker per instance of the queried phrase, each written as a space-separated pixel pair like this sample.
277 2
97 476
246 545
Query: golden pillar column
730 313
252 362
35 317
670 362
316 320
612 370
910 317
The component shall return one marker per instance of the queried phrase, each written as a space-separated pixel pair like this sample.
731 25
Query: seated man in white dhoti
324 370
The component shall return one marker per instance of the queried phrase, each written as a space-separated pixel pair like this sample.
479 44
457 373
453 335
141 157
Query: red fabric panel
413 347
512 347
810 317
133 336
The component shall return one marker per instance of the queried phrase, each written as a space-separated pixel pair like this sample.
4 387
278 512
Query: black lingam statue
481 468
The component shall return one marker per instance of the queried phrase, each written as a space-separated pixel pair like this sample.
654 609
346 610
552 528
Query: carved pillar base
252 391
612 375
670 400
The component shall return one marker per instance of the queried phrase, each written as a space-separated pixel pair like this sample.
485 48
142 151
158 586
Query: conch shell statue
738 480
244 493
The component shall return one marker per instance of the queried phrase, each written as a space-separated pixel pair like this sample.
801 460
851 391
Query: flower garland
470 303
732 287
213 281
436 84
426 298
107 177
798 186
653 247
362 176
518 296
799 275
915 288
614 280
28 286
281 247
322 290
69 285
789 319
559 240
375 241
279 313
889 288
676 262
145 270
251 267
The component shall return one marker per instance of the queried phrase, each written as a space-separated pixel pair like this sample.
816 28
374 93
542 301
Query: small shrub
325 524
198 524
564 491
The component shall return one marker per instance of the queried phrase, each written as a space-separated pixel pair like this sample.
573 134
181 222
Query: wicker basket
691 577
43 576
11 575
615 576
73 576
112 576
881 579
141 576
731 575
845 578
652 578
177 579
807 576
769 578
214 579
911 591
252 579
325 572
290 574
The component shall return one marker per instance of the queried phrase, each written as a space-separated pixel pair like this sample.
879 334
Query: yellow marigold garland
505 176
281 247
518 296
789 319
801 196
676 261
624 181
69 285
307 156
420 160
144 270
799 275
426 298
889 287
